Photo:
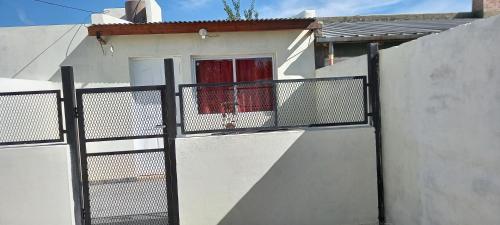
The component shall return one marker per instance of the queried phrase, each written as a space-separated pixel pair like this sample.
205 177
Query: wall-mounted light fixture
203 33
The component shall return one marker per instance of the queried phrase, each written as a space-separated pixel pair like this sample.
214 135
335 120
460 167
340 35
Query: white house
222 179
121 52
125 49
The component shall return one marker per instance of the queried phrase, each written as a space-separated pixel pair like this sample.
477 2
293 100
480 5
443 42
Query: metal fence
121 113
36 116
31 117
128 187
124 186
273 104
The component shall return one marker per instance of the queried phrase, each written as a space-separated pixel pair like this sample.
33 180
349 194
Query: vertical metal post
181 109
275 103
169 117
365 100
83 159
331 53
68 87
374 85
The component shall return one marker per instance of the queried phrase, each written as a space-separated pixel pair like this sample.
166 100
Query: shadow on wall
297 60
321 179
90 64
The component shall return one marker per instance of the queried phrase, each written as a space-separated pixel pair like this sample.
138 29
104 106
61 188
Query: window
214 99
246 98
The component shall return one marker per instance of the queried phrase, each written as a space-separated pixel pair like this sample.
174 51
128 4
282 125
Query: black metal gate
126 167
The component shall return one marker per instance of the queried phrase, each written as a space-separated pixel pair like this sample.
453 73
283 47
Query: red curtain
215 99
257 97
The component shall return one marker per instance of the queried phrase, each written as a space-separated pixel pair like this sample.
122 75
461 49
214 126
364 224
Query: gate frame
373 57
77 141
69 97
170 129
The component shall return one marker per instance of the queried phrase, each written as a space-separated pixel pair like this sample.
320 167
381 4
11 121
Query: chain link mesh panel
128 188
121 114
227 106
30 117
273 104
322 101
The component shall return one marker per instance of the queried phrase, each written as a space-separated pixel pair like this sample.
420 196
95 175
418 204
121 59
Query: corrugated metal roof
385 30
212 21
195 26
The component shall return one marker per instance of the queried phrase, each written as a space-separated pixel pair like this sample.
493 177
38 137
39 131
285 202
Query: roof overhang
195 26
398 37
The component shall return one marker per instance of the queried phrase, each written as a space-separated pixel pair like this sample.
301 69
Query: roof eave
194 27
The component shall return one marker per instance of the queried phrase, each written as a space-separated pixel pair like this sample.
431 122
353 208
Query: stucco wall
35 185
314 177
35 52
440 101
14 85
353 67
292 50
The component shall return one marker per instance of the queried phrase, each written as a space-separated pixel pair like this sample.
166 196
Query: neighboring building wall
354 67
347 51
314 177
440 100
36 52
35 185
485 8
293 53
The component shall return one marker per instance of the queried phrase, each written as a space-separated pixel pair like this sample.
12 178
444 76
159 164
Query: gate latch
161 126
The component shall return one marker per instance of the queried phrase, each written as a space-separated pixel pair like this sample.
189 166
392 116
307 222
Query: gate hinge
75 112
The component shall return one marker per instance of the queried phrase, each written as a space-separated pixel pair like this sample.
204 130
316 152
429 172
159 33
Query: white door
146 72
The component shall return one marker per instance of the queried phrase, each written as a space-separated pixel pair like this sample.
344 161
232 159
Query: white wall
35 185
153 11
293 53
100 18
356 66
314 177
292 50
440 100
14 85
41 49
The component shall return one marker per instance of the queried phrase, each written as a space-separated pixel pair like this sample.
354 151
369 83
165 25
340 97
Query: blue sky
29 12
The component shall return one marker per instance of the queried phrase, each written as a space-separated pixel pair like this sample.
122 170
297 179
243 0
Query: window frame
233 59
